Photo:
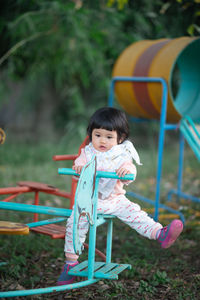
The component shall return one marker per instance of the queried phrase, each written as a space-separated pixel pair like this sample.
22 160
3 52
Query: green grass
35 261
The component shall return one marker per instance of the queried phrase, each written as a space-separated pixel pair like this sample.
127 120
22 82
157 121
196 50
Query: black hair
109 118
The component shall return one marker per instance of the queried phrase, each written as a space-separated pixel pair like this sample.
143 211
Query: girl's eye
97 135
109 137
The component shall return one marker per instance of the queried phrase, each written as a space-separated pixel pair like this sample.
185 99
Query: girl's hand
121 172
77 169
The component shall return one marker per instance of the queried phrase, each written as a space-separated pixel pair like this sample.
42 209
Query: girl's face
103 140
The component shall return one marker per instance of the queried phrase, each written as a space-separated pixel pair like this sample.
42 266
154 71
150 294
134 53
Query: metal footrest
101 270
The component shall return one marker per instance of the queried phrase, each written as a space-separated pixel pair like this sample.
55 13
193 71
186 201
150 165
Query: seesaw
85 204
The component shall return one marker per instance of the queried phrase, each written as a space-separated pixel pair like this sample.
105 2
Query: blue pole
161 145
163 125
181 158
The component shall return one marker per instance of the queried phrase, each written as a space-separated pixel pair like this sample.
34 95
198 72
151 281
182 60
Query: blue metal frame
163 127
178 191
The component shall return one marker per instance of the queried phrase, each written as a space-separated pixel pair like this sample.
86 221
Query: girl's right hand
77 169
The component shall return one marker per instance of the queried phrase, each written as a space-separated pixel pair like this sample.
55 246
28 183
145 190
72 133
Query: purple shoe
64 278
170 233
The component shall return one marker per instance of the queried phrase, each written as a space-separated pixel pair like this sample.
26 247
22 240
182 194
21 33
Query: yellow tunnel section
175 60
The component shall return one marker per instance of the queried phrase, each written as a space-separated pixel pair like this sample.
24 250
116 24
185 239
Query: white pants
128 212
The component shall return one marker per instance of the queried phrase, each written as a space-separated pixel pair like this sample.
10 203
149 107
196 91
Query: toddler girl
108 131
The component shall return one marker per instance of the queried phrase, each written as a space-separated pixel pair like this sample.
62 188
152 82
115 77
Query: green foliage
120 3
54 45
145 287
160 278
69 48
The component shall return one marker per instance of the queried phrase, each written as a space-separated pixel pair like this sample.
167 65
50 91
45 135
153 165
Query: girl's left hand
121 172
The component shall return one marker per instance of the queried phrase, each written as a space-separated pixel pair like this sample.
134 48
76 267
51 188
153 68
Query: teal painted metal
87 189
99 174
35 209
103 219
47 290
102 270
109 241
191 134
45 222
92 236
84 201
186 77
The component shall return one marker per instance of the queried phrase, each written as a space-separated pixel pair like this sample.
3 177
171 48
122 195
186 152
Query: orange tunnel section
175 60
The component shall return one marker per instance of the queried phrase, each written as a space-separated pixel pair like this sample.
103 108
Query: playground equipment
2 136
87 190
13 228
37 188
85 204
150 91
176 61
191 134
46 227
159 80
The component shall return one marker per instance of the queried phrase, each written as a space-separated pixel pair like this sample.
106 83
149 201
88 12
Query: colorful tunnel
175 60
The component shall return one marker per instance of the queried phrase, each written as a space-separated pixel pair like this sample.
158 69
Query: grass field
35 261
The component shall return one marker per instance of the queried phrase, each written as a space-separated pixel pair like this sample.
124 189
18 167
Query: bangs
110 119
103 124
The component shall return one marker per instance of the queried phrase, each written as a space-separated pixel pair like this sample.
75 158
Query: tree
69 47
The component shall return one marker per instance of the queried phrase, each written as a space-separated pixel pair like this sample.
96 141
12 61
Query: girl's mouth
102 148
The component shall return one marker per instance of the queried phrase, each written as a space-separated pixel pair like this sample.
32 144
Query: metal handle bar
99 174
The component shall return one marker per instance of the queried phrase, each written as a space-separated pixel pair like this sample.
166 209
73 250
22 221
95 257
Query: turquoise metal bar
35 209
109 241
99 174
92 236
113 175
102 219
51 289
45 222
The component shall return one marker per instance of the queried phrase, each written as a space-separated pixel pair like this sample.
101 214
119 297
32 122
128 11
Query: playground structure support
163 127
178 191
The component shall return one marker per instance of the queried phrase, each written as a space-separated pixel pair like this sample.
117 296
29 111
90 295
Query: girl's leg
131 214
83 229
71 257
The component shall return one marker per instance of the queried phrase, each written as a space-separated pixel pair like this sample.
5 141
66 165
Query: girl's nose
103 140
